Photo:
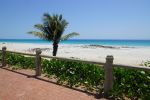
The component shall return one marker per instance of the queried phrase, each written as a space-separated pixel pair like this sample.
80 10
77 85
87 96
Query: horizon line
75 39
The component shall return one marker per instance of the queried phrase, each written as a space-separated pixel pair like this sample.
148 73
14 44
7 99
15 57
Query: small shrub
134 84
131 83
147 64
20 61
75 73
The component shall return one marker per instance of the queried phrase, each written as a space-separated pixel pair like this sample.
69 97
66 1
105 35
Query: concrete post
38 62
108 83
3 56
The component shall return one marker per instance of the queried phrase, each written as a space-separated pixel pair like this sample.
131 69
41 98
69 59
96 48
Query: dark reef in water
102 46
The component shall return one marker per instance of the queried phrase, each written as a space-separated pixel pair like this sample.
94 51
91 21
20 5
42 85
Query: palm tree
52 30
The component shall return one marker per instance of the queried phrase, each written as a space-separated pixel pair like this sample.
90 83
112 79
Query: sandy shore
122 55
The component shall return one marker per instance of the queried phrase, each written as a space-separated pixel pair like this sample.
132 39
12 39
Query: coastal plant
146 63
134 84
52 30
128 83
20 62
75 73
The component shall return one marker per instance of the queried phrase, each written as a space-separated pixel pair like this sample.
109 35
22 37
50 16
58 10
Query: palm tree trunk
55 47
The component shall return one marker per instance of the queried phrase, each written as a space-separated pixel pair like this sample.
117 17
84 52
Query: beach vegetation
52 29
75 74
19 61
134 84
146 63
128 83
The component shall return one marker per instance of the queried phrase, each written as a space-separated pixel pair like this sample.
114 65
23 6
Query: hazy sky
93 19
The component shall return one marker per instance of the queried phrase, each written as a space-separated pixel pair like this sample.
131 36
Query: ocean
84 41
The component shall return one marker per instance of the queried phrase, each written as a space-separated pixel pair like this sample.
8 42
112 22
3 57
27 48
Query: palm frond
39 27
38 34
60 17
70 35
47 17
52 28
64 24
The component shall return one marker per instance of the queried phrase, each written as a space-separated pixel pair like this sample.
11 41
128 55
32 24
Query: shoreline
122 55
90 44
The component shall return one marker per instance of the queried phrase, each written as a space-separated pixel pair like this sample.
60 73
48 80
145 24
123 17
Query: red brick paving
14 86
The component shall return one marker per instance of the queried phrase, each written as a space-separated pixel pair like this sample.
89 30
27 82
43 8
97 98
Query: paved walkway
14 86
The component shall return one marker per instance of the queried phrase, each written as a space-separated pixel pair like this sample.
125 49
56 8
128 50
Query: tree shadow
97 96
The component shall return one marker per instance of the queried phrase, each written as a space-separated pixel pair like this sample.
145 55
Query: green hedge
18 61
74 73
127 82
91 77
131 83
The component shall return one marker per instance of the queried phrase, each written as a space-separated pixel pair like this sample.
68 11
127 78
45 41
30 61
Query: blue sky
93 19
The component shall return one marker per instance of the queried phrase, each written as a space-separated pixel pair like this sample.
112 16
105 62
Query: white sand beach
122 55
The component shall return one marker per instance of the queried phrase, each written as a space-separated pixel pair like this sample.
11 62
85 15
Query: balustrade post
3 56
108 67
38 62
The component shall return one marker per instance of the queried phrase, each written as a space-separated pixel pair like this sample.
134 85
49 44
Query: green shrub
147 64
75 73
131 83
127 82
67 72
20 61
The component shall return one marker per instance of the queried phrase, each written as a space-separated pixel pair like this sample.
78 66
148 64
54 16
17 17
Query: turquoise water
84 41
